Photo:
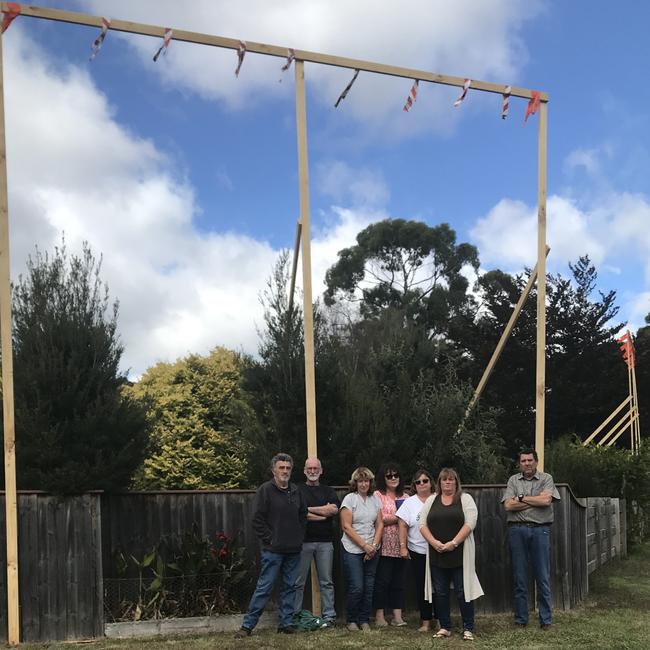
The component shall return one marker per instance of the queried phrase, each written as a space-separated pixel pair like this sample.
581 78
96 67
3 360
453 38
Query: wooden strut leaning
514 317
304 239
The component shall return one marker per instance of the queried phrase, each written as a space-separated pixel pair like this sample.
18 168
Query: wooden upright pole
308 308
637 432
11 502
540 388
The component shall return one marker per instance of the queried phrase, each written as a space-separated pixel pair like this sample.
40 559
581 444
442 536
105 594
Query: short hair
449 472
526 451
361 474
381 478
417 475
281 457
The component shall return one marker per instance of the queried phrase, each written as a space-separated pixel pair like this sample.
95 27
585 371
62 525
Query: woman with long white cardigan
447 522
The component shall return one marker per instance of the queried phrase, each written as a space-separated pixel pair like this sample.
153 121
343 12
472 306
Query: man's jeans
273 565
323 553
441 578
530 544
360 577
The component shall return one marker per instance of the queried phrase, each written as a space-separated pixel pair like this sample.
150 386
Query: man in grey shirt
528 501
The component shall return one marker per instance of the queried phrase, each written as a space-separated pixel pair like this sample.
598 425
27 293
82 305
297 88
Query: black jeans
418 570
389 583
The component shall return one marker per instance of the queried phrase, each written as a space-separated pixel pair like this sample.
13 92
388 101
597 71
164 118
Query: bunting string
165 44
505 107
533 105
291 57
241 53
97 43
9 15
461 97
412 96
344 94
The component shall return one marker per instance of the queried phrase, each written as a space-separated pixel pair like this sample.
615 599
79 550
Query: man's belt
529 524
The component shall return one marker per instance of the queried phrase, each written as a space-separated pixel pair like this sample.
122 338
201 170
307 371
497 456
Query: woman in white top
362 526
411 543
447 522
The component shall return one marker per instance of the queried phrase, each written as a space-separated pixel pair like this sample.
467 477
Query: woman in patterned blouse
389 582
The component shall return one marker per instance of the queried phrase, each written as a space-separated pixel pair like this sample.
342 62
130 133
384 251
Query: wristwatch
521 497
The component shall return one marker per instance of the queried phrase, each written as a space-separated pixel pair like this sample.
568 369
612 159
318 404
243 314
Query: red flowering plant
196 575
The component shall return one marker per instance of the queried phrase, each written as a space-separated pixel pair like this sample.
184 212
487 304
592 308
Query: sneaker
365 627
289 629
545 626
242 633
352 627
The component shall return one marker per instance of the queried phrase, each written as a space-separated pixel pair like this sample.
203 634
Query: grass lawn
616 615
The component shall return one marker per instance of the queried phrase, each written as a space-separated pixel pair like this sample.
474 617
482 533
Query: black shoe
289 629
521 624
242 633
545 626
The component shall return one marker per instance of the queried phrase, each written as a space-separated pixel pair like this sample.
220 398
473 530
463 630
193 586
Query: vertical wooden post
540 383
303 175
11 502
308 308
637 436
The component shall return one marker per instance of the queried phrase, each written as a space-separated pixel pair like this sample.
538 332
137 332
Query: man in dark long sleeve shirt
279 519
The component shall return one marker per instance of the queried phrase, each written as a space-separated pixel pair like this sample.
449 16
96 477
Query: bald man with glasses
322 506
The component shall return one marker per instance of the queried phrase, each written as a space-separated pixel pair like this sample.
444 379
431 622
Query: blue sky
185 178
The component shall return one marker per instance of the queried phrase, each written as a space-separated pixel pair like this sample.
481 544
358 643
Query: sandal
398 622
467 635
442 634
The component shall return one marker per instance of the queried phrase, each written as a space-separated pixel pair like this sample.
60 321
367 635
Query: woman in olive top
447 520
362 526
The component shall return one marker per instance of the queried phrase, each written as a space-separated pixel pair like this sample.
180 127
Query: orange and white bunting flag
165 44
626 345
533 105
345 92
241 53
412 96
462 96
505 106
97 43
9 15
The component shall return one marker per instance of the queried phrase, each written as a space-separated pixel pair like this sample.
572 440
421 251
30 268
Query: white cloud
507 235
180 290
450 38
588 159
358 186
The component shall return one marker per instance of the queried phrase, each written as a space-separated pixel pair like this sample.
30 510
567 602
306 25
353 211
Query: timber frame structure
303 240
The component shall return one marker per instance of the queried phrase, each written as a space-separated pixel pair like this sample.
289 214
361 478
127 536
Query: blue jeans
360 578
441 579
531 545
273 565
323 553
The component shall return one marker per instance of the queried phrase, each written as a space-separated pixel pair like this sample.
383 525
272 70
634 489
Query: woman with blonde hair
447 521
362 526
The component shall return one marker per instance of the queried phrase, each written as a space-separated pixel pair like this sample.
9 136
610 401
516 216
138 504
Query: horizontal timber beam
270 50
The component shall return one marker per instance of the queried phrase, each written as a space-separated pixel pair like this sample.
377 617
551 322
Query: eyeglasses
389 476
421 481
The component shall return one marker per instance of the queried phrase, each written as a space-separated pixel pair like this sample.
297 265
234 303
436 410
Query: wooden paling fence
68 547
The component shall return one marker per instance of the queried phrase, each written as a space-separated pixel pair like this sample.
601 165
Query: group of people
390 527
